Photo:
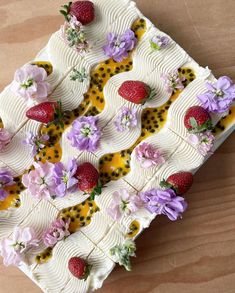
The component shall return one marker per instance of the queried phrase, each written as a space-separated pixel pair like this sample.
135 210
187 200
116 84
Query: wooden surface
196 254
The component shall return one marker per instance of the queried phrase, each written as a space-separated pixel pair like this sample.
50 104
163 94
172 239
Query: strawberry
197 119
180 182
83 10
47 112
79 268
136 91
88 179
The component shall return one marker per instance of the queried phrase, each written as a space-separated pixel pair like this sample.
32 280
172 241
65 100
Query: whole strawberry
180 182
79 268
197 119
83 11
47 112
136 91
88 179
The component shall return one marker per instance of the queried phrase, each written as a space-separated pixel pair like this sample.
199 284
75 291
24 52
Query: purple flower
126 119
164 202
30 83
14 249
85 134
173 81
6 179
58 230
159 42
220 95
123 203
35 142
64 178
148 156
5 138
119 45
40 181
202 141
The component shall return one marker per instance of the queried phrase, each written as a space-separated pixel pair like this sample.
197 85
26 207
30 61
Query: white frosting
94 241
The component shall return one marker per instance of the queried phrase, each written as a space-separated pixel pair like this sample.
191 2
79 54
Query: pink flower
123 203
40 181
14 249
30 83
56 232
172 81
148 156
202 141
5 138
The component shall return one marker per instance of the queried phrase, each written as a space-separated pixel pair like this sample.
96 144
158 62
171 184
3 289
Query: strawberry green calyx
164 184
58 116
87 272
196 128
151 95
65 11
96 191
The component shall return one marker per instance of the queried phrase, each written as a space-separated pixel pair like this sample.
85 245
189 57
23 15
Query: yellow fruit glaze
13 199
44 64
134 229
225 122
117 165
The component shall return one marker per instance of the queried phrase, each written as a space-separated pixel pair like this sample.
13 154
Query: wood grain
196 254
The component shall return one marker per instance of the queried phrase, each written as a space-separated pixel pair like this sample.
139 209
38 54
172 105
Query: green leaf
193 122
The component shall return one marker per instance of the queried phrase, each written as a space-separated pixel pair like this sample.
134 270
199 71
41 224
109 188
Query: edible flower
202 141
159 42
164 202
58 231
148 156
64 177
123 252
173 81
85 133
118 46
219 95
14 249
6 179
30 84
123 203
35 142
126 119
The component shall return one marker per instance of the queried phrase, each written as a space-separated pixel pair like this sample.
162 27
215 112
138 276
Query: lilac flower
14 249
30 83
126 119
119 45
173 81
6 179
159 42
164 202
58 230
202 141
123 203
40 181
220 95
85 134
5 138
74 36
64 178
35 142
148 156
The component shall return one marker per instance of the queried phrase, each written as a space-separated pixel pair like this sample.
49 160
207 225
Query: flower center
126 119
124 205
86 131
28 83
18 246
219 93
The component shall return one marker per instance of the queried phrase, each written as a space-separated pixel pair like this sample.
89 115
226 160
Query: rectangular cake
99 134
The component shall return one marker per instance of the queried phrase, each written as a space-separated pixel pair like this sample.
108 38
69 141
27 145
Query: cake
124 118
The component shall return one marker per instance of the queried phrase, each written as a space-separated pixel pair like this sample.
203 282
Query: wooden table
196 254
